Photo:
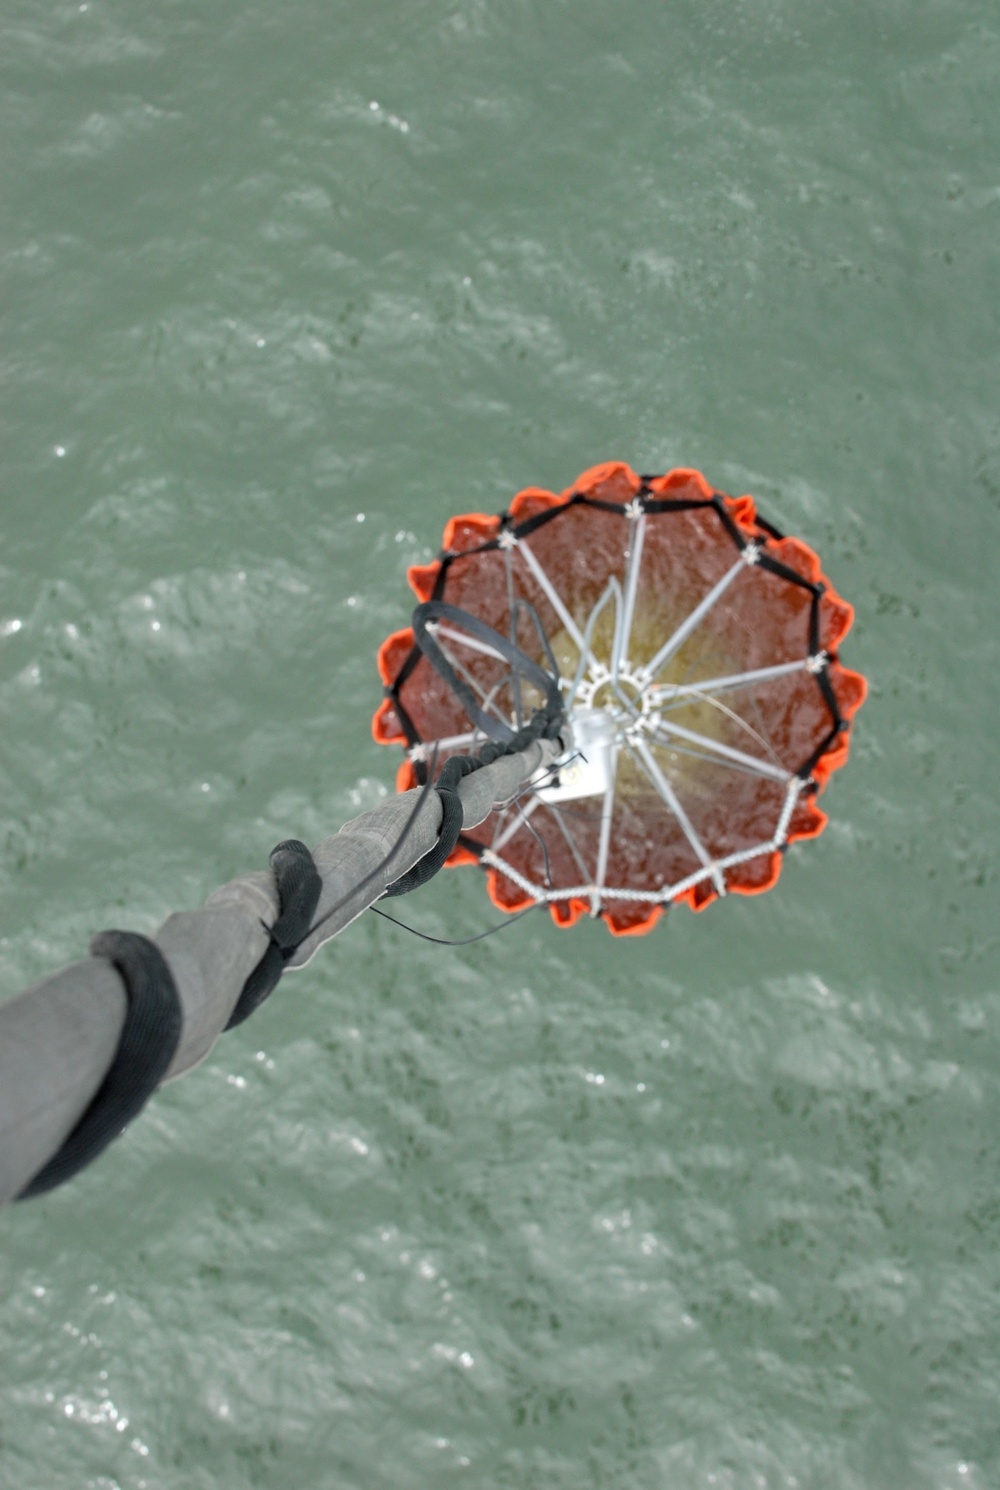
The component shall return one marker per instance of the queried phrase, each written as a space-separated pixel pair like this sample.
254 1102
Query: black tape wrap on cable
149 1041
299 887
154 1017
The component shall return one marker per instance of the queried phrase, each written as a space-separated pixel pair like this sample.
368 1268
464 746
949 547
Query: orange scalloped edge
638 928
390 658
422 578
479 529
384 732
534 497
701 896
589 482
798 556
493 880
738 887
836 617
851 688
669 485
566 913
837 613
743 511
836 620
459 856
808 819
697 898
398 644
461 533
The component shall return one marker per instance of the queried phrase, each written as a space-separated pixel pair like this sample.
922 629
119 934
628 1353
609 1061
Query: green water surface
282 288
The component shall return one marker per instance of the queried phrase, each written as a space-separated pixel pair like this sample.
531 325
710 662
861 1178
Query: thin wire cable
443 941
707 698
383 863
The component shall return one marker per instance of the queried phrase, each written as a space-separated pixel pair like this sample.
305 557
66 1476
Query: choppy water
283 287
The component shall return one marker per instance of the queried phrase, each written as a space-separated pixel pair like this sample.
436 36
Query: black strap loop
149 1041
522 666
452 822
541 726
299 887
545 723
154 1018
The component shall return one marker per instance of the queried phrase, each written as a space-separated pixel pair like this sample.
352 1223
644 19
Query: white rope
727 753
555 600
473 644
684 630
667 692
607 814
598 673
623 631
488 699
669 796
567 835
665 893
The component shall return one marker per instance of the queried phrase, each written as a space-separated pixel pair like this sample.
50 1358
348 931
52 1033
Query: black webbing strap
542 725
431 614
545 723
299 885
154 1018
452 822
148 1043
